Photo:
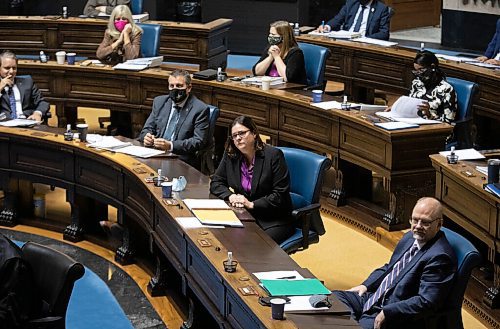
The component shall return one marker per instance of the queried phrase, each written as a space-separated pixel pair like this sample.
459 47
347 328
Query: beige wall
478 6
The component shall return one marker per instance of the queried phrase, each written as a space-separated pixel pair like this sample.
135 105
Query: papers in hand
213 212
467 154
139 64
405 109
19 123
258 80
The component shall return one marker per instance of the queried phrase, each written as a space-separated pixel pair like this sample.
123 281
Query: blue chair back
207 154
150 43
466 90
315 59
306 170
136 7
467 259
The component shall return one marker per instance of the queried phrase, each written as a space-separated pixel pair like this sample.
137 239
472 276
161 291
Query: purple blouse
273 72
246 175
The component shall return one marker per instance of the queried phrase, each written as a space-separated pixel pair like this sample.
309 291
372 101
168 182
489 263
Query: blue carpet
92 305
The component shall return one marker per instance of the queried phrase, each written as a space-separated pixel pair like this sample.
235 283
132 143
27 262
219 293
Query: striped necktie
172 124
389 279
12 101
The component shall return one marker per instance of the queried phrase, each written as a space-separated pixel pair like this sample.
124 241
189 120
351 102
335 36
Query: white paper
467 154
459 59
109 143
139 151
486 65
150 61
137 18
342 34
482 169
301 303
377 42
406 107
130 67
205 204
395 125
330 105
278 275
193 222
258 80
19 123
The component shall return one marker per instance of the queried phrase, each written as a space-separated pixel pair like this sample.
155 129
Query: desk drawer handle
445 189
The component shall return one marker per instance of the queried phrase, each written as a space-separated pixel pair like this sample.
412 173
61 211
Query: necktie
172 124
389 279
12 101
357 26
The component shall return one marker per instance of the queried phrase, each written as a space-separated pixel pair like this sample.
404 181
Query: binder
295 287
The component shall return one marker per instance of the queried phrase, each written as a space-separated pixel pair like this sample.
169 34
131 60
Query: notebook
213 212
295 287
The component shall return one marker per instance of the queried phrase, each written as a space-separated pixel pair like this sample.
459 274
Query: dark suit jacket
494 45
422 286
378 23
191 133
31 98
90 10
270 191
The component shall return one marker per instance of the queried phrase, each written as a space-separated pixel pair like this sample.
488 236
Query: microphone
8 90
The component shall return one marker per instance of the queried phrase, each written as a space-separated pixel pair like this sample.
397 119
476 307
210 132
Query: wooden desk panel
194 43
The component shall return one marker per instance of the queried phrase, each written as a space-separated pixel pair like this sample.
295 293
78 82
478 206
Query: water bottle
64 12
296 30
43 57
220 75
422 46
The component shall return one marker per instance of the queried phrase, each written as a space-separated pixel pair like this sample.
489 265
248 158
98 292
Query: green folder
295 287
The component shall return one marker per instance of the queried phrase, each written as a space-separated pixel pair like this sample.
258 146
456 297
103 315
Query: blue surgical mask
179 184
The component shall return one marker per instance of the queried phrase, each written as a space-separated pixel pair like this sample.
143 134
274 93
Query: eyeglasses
239 134
425 224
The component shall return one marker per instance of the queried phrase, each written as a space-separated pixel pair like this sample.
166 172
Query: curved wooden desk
353 142
41 156
194 43
363 67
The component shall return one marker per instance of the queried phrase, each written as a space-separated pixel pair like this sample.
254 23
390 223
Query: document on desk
459 59
302 303
109 143
258 81
342 34
193 222
377 42
486 65
19 123
466 154
140 151
292 287
213 212
395 125
278 275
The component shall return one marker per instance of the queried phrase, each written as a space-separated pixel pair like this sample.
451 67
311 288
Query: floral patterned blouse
442 99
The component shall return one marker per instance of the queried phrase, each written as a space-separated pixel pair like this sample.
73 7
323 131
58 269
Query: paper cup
60 57
166 190
278 308
71 58
317 96
266 83
82 131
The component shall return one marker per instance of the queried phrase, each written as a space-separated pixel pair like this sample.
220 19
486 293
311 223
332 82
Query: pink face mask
120 25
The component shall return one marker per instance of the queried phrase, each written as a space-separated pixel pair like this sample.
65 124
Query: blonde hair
285 30
123 12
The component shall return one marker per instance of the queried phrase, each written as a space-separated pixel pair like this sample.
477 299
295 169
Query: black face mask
178 95
274 40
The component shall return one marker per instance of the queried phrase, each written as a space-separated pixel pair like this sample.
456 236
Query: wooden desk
41 156
194 43
467 204
400 157
363 68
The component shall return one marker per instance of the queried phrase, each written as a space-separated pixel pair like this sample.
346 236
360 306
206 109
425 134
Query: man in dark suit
96 7
492 54
179 121
416 280
369 17
20 97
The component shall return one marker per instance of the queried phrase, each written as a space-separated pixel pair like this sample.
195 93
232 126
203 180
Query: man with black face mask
369 17
178 122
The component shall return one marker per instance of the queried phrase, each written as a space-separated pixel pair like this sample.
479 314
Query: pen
286 277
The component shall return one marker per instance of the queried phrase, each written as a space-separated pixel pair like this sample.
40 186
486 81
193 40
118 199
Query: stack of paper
139 64
459 59
137 18
466 154
19 123
395 125
258 80
405 109
377 42
213 212
109 143
338 34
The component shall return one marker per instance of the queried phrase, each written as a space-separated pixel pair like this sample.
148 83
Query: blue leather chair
315 58
207 154
467 259
150 43
136 7
307 170
466 91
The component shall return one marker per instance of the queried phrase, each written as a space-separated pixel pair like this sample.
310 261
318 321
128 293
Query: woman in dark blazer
283 57
255 176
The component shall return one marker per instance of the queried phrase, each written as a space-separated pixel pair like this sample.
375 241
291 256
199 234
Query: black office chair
307 170
55 274
207 154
